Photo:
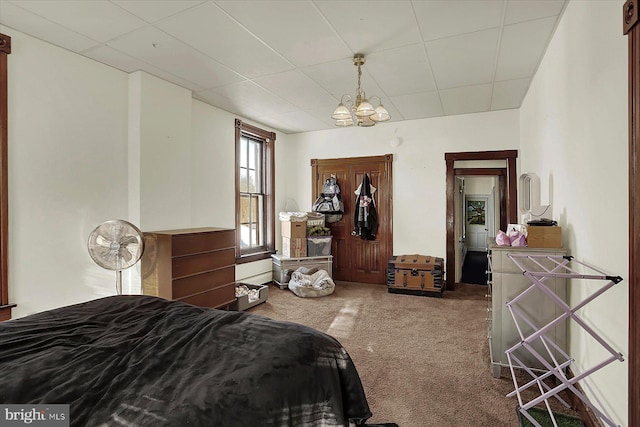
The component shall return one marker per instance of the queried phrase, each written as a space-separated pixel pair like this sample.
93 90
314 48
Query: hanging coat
365 217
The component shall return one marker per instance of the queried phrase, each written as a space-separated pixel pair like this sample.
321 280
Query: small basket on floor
244 302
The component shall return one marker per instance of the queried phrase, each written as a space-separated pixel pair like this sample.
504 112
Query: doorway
470 165
476 219
354 259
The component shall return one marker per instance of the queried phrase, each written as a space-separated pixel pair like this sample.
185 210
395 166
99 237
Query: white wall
88 143
419 181
67 171
213 177
165 153
574 136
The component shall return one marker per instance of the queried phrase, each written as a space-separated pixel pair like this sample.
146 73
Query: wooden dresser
195 265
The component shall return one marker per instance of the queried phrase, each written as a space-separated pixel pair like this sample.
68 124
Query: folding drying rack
556 363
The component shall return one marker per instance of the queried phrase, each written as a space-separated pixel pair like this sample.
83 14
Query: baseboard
586 414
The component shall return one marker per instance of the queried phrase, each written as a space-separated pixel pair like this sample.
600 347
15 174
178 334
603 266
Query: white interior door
478 213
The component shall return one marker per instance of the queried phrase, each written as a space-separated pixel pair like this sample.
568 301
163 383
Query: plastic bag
502 239
516 238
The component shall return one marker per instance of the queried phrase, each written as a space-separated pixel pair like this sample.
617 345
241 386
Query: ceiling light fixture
361 111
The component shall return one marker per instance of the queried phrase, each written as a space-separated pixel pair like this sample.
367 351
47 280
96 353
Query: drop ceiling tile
211 31
418 105
323 114
27 22
163 51
401 71
522 47
119 60
336 77
155 10
217 100
527 10
388 24
296 88
279 124
128 64
249 94
99 20
341 77
509 93
463 100
295 121
295 29
464 60
439 19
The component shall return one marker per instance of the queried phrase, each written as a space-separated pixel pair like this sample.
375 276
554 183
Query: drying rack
538 268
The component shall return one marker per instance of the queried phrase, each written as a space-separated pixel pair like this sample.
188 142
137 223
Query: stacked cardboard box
544 237
294 239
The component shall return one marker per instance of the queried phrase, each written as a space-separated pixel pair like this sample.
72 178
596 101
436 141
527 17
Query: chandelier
361 111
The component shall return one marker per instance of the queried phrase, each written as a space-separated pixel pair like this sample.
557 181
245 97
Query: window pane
260 218
252 182
244 181
259 168
243 152
245 210
245 233
252 154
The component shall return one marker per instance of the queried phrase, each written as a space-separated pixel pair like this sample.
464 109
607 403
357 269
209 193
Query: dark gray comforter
138 360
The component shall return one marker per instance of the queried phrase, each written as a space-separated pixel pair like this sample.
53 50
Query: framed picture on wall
476 212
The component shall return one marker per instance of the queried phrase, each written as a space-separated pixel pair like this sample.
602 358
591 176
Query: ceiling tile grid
286 64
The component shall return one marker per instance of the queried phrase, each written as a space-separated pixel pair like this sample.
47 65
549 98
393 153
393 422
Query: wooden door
354 259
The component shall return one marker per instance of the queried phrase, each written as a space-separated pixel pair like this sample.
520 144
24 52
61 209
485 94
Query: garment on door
329 202
365 217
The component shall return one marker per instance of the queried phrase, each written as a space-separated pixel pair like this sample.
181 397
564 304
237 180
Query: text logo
34 415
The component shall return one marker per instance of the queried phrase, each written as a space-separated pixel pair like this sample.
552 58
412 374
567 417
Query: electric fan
116 245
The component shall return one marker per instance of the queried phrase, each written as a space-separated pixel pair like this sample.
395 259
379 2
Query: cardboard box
295 247
294 229
544 236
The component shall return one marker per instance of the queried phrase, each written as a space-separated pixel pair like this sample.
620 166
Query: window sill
258 256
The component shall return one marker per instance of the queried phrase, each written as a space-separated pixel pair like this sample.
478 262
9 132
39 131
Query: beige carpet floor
423 361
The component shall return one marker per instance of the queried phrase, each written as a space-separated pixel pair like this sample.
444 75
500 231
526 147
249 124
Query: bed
145 361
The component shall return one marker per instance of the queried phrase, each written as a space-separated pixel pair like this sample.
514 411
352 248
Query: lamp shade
341 112
365 109
381 114
344 122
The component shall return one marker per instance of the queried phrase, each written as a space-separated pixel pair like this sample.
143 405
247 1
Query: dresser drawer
195 264
214 298
203 282
187 244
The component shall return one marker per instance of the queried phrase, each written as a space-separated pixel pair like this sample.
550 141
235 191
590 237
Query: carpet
474 268
423 361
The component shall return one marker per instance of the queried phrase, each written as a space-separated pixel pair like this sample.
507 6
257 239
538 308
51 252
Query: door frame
630 27
508 195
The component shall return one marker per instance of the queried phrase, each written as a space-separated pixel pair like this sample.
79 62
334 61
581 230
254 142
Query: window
255 213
